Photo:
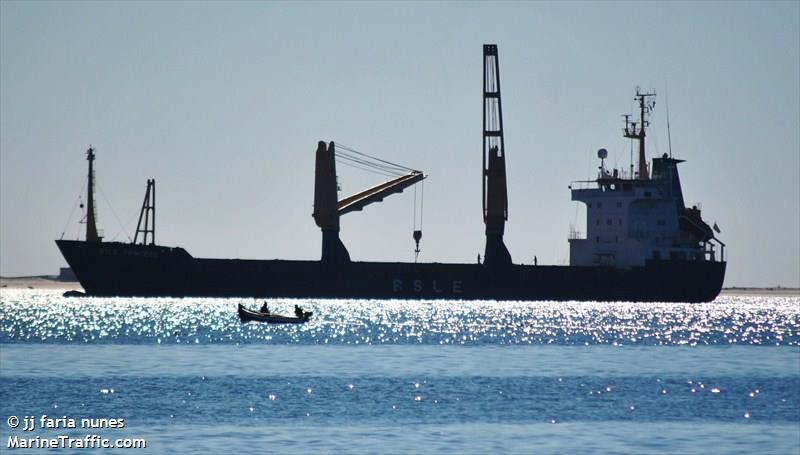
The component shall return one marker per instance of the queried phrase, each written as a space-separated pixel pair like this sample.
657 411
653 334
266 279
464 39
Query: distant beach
774 291
38 282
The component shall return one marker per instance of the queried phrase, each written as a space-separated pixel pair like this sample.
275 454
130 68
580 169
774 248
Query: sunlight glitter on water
190 366
45 316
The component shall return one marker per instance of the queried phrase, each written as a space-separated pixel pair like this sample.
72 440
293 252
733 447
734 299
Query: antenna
669 135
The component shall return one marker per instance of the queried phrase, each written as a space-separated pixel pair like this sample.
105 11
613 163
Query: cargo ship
641 242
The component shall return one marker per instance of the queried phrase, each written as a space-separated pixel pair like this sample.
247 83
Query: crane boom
378 192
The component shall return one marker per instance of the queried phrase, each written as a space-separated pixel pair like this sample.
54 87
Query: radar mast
634 130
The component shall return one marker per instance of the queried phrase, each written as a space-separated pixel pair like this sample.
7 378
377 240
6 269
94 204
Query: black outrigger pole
148 212
495 195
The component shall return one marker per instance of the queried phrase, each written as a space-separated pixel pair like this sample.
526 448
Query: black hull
120 269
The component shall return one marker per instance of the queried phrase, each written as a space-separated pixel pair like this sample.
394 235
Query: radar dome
602 154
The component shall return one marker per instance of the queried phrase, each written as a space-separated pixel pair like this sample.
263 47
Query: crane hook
417 236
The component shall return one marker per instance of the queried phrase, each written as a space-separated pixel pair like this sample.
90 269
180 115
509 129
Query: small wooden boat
247 315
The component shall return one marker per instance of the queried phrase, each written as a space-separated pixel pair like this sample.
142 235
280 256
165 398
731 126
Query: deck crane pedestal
495 194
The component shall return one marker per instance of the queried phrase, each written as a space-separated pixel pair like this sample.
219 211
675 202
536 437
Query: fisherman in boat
264 308
298 311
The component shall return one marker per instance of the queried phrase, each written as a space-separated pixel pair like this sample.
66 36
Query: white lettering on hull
418 286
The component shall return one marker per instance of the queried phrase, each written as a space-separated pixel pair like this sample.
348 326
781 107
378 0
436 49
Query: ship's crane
495 193
327 209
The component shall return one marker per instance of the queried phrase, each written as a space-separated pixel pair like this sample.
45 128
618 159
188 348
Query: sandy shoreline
45 282
780 292
38 282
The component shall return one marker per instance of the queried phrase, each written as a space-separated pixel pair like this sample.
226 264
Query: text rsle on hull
641 242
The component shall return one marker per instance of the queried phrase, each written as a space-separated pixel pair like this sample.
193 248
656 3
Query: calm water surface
408 377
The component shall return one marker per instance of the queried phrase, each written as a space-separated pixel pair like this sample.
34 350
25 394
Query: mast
633 132
495 195
91 222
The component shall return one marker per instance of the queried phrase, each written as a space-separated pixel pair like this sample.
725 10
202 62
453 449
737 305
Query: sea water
186 376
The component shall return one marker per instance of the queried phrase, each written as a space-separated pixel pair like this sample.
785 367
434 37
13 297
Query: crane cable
349 156
78 201
123 228
417 229
353 158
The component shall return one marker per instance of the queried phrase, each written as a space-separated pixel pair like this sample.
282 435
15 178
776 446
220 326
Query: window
597 239
608 221
619 205
660 222
597 222
656 255
590 205
599 205
620 221
647 194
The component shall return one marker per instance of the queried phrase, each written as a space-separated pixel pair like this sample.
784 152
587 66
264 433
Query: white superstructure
633 219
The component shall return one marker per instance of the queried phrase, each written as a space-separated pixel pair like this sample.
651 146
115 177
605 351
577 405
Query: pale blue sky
223 104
